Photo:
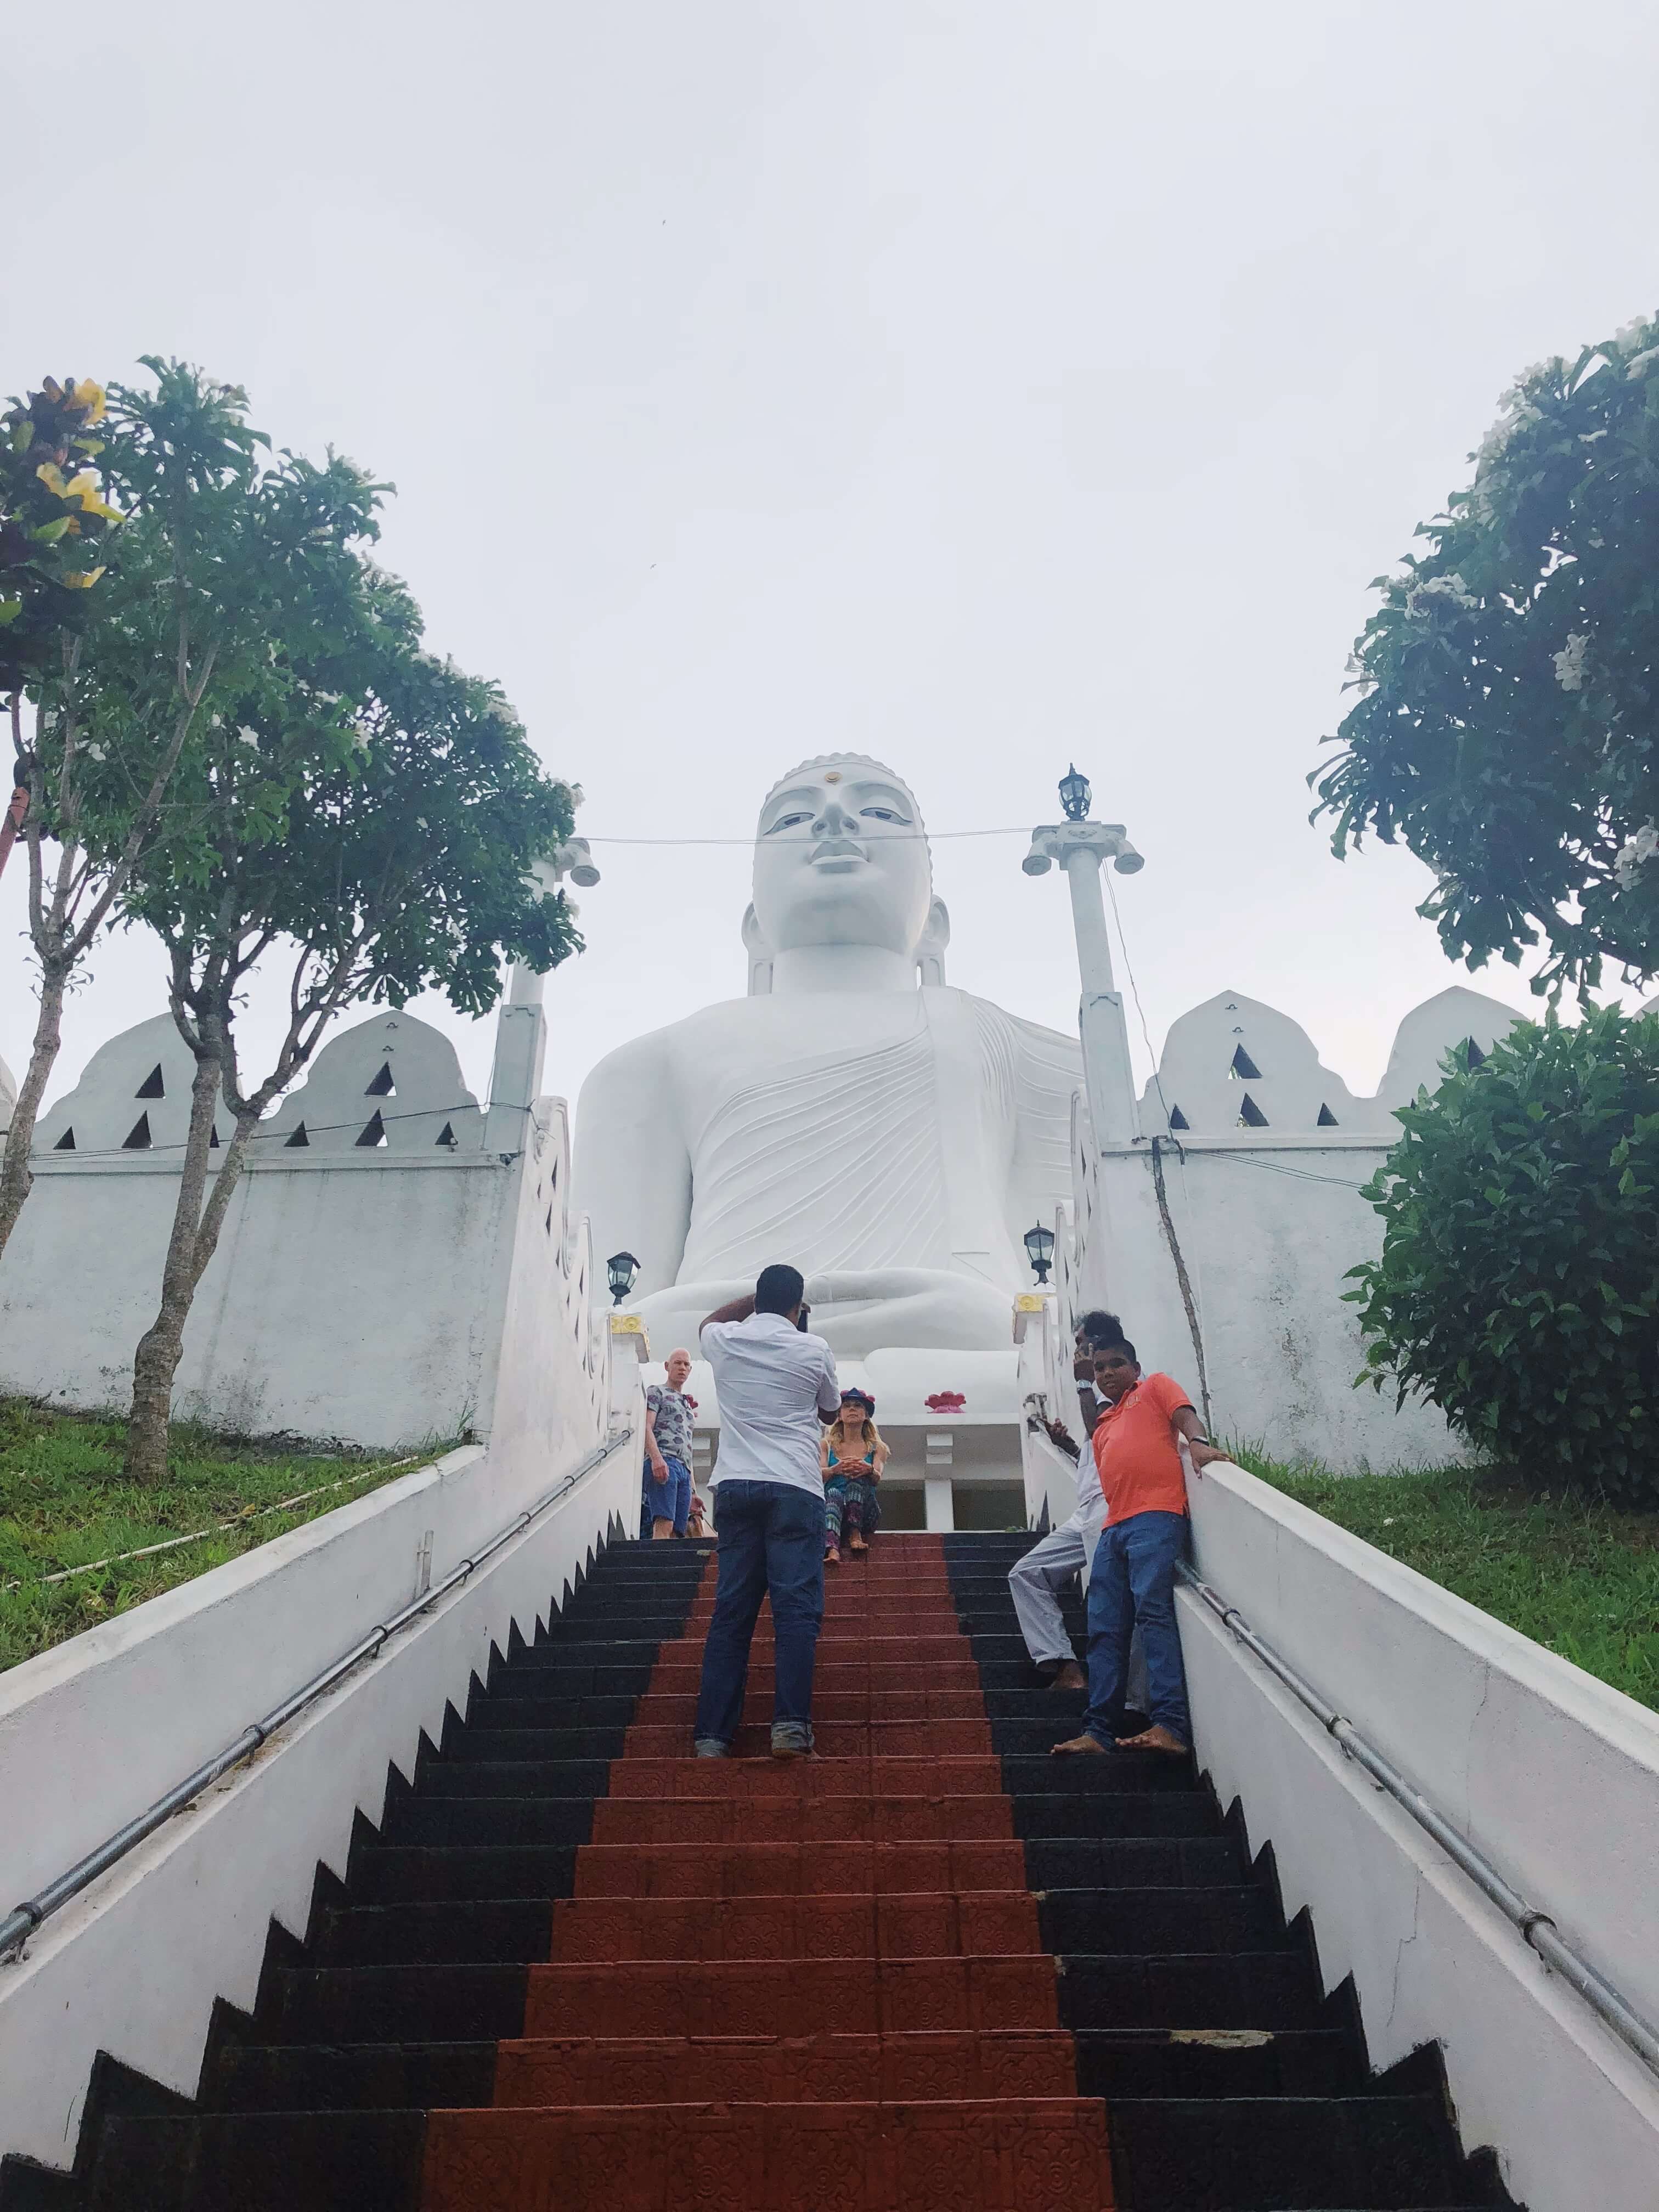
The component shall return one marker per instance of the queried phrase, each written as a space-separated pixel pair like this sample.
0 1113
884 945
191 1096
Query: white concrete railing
92 1732
1552 1776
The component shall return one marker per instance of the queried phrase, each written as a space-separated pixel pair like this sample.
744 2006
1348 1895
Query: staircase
577 1969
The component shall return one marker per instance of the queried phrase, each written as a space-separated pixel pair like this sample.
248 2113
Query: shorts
669 1500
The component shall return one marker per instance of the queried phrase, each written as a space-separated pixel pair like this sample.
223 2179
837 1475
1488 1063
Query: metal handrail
1536 1928
21 1922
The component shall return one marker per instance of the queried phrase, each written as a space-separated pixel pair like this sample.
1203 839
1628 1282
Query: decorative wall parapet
367 1279
1237 1064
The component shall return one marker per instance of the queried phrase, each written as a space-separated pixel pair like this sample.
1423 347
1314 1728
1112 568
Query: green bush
1518 1287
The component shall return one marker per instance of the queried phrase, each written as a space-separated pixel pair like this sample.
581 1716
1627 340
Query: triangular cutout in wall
137 1137
1243 1068
299 1136
1250 1116
446 1136
1178 1120
1327 1119
383 1086
374 1130
213 1138
65 1143
152 1086
1472 1055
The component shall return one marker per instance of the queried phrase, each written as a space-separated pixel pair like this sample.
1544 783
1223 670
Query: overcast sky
981 385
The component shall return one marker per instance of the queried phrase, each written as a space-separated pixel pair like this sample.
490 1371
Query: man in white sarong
894 1136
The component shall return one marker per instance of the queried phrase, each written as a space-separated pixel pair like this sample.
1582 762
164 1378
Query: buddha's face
840 857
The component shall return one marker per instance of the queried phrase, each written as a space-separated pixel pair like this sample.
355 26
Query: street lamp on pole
1080 847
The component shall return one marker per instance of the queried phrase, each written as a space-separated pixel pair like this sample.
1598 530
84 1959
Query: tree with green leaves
1507 724
360 813
1518 1288
155 584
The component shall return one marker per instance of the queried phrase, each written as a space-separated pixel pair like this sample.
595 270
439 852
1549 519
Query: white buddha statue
893 1138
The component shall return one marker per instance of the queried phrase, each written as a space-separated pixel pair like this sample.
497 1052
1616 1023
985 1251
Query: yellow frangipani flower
85 488
87 395
83 582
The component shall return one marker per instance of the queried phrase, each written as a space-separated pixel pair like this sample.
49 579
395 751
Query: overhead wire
864 837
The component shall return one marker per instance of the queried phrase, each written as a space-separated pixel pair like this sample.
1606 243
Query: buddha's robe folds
898 1144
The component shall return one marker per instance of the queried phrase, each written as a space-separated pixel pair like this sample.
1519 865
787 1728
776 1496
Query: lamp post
1039 1251
1081 846
621 1271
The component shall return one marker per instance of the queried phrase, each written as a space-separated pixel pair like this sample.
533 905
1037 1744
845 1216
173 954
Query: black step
494 1930
1114 1922
1210 2062
1212 2155
414 1873
388 2004
321 2077
260 2162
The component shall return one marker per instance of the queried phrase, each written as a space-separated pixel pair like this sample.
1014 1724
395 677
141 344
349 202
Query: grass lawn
1579 1577
63 1504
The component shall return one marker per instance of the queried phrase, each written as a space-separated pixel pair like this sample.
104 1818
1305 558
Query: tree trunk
14 1176
160 1348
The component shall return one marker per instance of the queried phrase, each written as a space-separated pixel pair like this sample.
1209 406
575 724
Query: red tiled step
840 1671
835 1739
820 1820
839 1642
900 1616
1022 2154
688 1869
918 1702
840 1997
909 1925
784 2069
804 1781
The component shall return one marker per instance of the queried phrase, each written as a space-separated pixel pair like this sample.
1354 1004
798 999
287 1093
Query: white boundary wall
357 1292
94 1731
1551 1774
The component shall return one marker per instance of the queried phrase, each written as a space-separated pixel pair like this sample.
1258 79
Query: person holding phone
776 1385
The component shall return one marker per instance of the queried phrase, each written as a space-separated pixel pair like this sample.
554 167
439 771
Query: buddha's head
841 857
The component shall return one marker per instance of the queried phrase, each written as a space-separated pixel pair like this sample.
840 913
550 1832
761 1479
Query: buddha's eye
788 822
884 814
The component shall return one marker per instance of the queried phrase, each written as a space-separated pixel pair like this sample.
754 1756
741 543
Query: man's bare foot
831 1556
1070 1677
857 1544
1156 1738
1078 1745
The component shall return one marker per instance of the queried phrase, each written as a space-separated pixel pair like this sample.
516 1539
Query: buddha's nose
834 821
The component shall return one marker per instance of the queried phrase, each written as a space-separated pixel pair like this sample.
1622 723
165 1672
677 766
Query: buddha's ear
935 936
760 956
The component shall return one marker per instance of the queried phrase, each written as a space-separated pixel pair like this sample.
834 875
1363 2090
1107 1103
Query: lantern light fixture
620 1269
1075 794
1039 1251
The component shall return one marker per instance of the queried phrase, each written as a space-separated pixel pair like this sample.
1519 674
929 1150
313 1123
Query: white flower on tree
1570 662
1634 855
1450 587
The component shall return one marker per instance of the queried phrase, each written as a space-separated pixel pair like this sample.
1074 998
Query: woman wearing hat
853 1456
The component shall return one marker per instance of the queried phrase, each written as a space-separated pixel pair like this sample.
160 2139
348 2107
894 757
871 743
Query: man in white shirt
776 1385
1036 1580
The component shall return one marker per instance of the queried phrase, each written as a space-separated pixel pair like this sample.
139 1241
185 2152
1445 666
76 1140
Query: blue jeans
668 1500
771 1543
1131 1584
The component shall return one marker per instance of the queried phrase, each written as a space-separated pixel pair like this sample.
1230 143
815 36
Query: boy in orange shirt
1138 1456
